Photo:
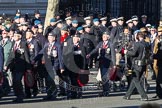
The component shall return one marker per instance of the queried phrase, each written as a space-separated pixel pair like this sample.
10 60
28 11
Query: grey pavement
90 99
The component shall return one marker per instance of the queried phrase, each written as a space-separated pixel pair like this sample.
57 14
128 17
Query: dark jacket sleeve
40 54
36 47
96 49
113 54
26 55
134 51
1 59
60 57
113 33
83 49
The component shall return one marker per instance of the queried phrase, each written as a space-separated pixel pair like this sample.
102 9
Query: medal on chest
31 47
54 51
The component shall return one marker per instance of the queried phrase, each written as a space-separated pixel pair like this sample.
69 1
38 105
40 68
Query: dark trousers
4 88
41 74
159 89
50 84
17 84
62 82
104 76
75 86
135 83
159 82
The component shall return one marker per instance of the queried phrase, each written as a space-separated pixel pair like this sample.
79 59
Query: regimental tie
15 47
104 46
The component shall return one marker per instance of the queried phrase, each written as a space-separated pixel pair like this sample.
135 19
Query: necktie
15 47
104 45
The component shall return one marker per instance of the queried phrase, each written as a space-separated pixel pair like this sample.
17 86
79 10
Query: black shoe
104 94
156 97
35 94
126 98
62 94
49 98
28 96
18 100
73 97
79 95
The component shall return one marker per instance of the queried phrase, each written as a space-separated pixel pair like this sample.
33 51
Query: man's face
59 25
63 32
159 33
24 28
75 40
96 23
114 24
69 22
144 19
120 22
126 31
88 22
51 39
17 20
52 23
28 35
105 37
11 34
130 25
74 24
104 22
17 37
135 22
22 20
37 15
4 34
152 31
87 29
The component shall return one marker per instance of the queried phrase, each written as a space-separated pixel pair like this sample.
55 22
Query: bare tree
51 9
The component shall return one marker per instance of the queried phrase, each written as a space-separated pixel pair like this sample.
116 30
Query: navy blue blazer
50 61
33 47
19 60
107 56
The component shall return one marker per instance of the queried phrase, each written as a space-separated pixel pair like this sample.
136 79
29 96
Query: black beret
52 34
36 11
18 32
107 33
29 30
64 27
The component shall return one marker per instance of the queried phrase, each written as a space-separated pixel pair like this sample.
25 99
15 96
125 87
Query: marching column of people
69 50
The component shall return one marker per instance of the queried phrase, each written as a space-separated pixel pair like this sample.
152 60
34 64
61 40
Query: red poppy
63 37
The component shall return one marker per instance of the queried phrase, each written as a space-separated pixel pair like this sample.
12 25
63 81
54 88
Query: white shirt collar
5 39
105 42
52 43
29 40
